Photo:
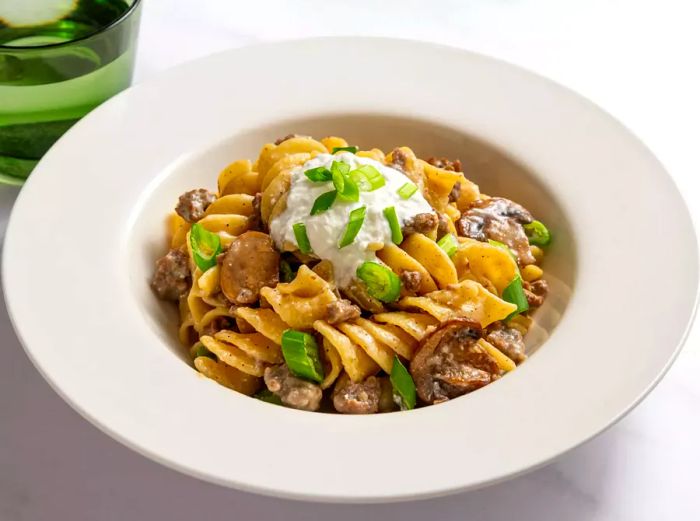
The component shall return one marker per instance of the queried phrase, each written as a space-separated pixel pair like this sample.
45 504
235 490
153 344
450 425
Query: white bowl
90 221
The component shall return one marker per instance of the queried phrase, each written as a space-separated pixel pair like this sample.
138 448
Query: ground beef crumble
172 278
192 205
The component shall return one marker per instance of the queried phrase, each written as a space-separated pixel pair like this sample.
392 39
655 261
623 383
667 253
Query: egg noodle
434 300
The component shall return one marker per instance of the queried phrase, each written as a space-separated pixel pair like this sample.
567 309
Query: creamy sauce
325 230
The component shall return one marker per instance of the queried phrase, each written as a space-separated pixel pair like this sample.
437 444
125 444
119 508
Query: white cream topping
325 230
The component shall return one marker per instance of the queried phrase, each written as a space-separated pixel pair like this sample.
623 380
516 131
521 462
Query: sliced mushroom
449 362
501 220
250 264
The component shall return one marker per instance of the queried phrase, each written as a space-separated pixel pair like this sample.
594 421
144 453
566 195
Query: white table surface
637 60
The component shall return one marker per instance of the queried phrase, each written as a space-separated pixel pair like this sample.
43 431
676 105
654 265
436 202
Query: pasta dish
327 278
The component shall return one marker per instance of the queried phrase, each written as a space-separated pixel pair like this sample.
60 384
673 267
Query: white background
638 60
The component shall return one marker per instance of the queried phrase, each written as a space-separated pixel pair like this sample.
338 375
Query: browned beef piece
411 280
192 205
421 223
341 311
446 164
294 392
455 192
500 220
398 159
172 278
450 363
508 340
443 225
453 166
255 221
250 264
357 398
536 292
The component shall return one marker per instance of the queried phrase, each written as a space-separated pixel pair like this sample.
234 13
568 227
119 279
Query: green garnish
407 190
357 217
367 178
268 396
396 235
537 233
199 349
515 294
319 174
346 187
301 237
205 246
350 149
301 354
403 385
449 244
287 273
382 283
323 202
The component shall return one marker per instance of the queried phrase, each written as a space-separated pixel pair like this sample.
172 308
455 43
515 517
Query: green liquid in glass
45 90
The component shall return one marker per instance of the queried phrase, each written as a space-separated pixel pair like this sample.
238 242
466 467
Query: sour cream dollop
325 230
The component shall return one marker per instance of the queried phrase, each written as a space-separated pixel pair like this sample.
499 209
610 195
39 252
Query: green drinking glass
59 59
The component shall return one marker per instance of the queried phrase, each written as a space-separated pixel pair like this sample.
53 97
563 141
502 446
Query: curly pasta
466 299
301 302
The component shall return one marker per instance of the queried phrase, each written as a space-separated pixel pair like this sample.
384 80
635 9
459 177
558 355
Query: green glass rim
112 24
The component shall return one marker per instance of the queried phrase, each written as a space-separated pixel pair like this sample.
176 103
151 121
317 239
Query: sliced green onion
346 187
407 190
403 385
396 235
319 174
301 237
323 202
537 233
268 396
340 167
300 351
199 349
449 244
367 178
345 149
382 283
287 273
515 294
357 217
504 247
205 246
